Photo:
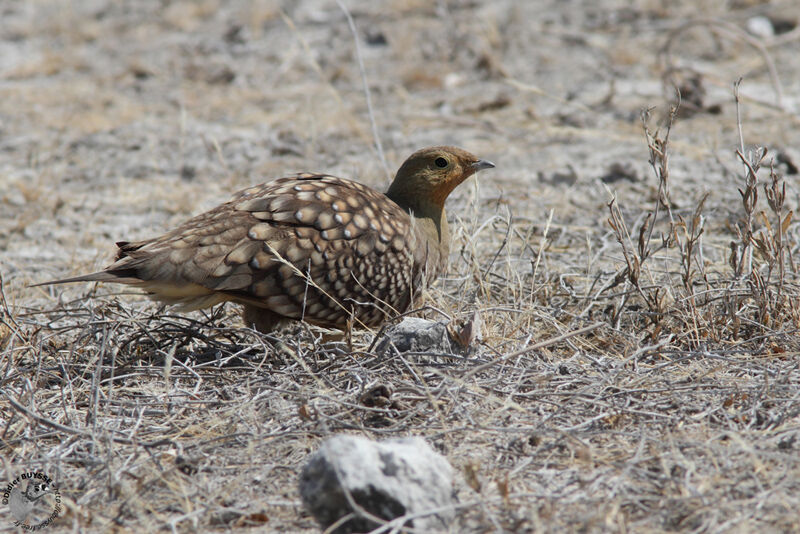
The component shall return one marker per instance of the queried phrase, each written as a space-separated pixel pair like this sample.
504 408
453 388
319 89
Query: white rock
387 479
760 27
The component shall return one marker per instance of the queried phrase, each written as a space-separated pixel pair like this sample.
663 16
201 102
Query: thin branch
378 145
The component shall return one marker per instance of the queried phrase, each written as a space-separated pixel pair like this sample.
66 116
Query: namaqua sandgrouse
309 247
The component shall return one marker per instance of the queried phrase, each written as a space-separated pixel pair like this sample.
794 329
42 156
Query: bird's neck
430 220
428 213
434 226
433 231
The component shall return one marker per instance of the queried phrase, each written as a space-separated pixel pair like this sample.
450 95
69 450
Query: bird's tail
100 276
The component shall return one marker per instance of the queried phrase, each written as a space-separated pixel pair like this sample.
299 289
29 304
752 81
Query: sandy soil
679 412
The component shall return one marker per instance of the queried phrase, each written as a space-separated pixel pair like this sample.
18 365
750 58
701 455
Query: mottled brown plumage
309 247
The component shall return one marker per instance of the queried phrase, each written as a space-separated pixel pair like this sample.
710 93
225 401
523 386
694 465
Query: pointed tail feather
100 276
187 296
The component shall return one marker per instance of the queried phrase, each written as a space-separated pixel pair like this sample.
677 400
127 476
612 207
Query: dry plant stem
635 258
689 244
486 270
540 253
731 32
769 241
6 310
310 56
771 244
658 149
685 236
749 200
367 95
659 160
749 194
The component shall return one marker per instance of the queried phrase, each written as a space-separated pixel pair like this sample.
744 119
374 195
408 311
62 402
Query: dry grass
660 262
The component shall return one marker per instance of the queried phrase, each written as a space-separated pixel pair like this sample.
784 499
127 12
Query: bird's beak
482 164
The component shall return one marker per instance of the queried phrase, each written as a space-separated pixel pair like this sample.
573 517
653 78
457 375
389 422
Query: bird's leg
262 319
349 333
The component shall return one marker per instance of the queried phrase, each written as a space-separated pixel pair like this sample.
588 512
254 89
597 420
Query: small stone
416 335
760 26
387 479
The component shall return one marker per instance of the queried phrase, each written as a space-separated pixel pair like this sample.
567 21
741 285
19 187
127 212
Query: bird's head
429 175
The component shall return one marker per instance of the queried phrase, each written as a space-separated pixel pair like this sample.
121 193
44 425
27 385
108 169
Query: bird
307 247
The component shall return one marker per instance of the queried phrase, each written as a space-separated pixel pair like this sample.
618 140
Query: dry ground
678 411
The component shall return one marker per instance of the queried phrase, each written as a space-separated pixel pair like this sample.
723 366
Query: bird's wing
328 247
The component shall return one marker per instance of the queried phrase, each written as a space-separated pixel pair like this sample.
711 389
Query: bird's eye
441 163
